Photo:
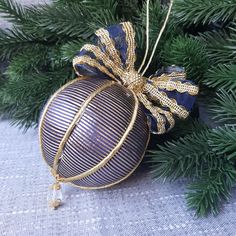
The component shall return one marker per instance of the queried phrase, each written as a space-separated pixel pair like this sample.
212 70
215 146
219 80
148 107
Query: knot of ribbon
164 96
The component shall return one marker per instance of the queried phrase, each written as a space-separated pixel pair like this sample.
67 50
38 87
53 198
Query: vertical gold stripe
113 152
130 40
46 109
108 43
74 122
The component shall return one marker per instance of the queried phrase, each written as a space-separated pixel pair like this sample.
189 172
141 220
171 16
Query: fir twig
223 107
221 77
25 98
13 41
12 11
207 193
220 46
187 52
205 11
204 156
186 156
223 141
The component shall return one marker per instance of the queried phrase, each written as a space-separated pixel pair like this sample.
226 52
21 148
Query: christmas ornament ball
93 133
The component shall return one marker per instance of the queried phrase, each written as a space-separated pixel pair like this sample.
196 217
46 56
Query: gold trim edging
112 153
122 179
73 124
46 109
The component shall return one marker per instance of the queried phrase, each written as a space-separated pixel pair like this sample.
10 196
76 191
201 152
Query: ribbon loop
164 96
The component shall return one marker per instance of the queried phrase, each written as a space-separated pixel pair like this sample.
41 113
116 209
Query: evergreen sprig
223 107
187 156
220 46
12 11
188 52
205 12
204 156
221 77
223 141
207 193
64 21
25 98
13 41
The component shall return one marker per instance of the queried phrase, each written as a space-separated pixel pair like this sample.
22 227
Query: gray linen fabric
138 206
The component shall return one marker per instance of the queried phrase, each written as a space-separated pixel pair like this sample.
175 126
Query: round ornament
93 133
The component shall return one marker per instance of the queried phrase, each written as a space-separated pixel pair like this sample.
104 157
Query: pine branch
223 107
28 61
94 5
12 11
68 20
205 156
223 141
69 50
77 19
66 2
185 157
24 99
189 53
207 193
128 9
102 18
204 11
221 77
13 41
220 46
185 127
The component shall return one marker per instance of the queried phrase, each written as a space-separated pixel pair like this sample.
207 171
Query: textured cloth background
137 206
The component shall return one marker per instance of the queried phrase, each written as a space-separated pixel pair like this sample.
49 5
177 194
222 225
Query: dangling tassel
55 195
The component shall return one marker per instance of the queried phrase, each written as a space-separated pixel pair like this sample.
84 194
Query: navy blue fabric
183 99
86 70
169 70
153 121
119 37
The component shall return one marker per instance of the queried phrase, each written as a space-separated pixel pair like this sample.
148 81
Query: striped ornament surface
102 125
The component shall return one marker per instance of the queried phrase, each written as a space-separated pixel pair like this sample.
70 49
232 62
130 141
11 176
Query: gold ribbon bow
147 90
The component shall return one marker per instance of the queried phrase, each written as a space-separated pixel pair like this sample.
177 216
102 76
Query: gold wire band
120 180
73 124
130 35
112 153
160 120
175 85
168 115
46 109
